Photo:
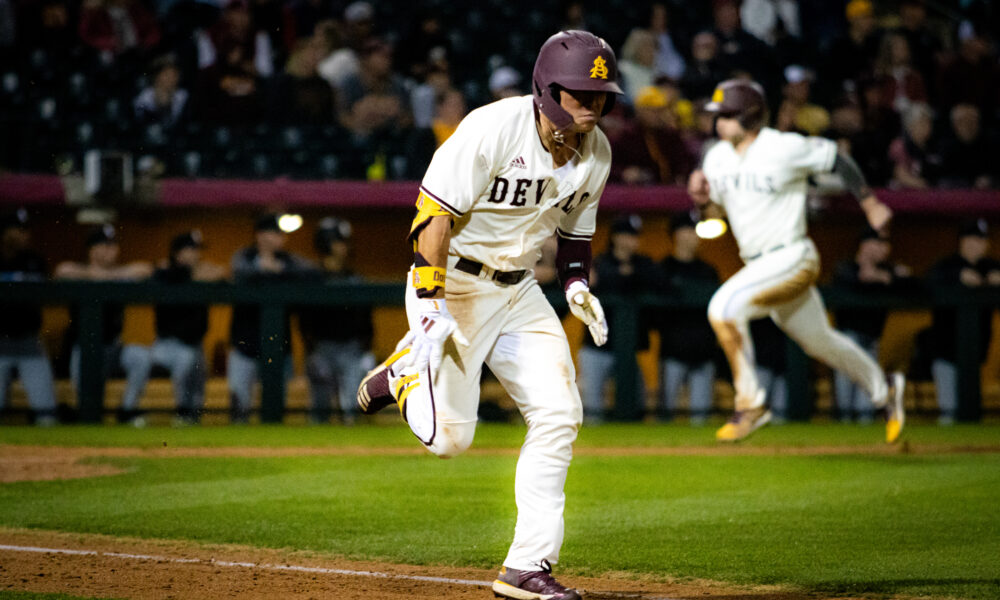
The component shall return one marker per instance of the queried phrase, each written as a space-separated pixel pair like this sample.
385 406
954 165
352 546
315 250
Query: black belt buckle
509 277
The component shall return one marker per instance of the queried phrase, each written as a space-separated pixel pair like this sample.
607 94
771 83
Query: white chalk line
271 567
248 565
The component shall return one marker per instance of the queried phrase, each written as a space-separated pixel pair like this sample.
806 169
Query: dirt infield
110 567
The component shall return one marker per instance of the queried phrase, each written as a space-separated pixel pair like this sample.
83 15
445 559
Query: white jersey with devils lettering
764 190
495 176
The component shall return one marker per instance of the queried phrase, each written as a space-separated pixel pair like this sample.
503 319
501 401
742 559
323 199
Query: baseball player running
514 172
757 177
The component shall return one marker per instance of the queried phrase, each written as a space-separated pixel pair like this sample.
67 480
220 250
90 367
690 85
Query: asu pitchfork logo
600 70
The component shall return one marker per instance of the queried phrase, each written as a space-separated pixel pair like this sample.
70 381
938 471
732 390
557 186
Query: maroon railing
19 189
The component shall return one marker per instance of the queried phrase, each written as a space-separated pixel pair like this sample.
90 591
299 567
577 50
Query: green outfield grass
852 523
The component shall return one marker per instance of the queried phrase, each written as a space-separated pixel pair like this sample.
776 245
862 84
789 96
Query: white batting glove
586 307
433 326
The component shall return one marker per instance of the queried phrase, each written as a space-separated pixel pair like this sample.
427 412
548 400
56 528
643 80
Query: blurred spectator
102 264
267 260
852 54
972 75
270 17
766 19
233 57
180 328
882 125
669 61
20 324
846 125
701 131
424 48
300 94
704 71
869 272
163 103
236 29
916 162
687 342
967 270
302 17
969 158
770 350
424 98
505 82
117 27
650 148
338 339
637 62
574 16
450 111
620 270
796 113
374 101
925 44
344 62
901 83
740 51
49 26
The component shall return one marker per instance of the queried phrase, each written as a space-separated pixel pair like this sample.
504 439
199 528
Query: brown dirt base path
110 567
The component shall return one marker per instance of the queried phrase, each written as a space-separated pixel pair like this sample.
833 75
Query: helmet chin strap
559 136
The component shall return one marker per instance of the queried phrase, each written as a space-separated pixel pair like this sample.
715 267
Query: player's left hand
586 307
877 213
698 188
433 328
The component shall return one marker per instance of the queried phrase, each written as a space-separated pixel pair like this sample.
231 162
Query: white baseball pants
513 329
780 284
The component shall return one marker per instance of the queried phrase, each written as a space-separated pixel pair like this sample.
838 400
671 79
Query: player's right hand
433 326
698 188
586 307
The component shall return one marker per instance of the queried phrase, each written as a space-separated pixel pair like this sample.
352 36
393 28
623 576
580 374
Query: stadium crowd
332 89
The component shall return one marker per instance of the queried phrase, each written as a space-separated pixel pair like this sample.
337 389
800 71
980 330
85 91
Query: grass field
807 507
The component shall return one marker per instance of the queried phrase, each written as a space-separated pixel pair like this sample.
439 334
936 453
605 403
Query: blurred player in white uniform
514 172
757 177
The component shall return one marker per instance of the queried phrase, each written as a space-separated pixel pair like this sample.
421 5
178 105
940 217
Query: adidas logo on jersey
519 163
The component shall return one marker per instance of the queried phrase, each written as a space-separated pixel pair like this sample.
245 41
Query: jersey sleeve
462 166
809 155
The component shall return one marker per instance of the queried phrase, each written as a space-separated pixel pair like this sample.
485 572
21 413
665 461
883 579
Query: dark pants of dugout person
242 373
134 360
27 356
186 365
336 368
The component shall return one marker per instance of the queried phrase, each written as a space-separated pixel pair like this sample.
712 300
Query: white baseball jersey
764 190
496 178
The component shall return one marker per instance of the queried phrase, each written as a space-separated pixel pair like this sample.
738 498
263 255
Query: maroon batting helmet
740 99
573 60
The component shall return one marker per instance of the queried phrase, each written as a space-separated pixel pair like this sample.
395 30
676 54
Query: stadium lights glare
289 223
709 229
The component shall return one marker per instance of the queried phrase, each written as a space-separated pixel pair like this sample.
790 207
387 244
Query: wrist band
428 280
